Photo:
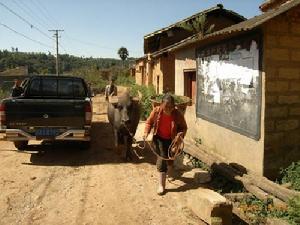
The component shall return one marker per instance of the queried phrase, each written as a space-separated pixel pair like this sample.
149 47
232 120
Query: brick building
245 82
247 88
158 69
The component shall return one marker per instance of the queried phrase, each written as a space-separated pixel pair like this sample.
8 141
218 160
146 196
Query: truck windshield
49 87
57 87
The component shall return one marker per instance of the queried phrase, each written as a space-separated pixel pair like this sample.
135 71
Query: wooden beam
258 185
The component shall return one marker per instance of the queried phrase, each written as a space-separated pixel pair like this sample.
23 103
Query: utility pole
56 36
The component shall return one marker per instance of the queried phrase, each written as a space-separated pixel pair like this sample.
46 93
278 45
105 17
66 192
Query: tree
123 53
198 26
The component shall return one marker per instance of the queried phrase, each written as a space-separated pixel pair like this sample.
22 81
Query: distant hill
41 63
17 71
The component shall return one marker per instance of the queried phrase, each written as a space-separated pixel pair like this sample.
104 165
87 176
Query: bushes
291 175
100 78
178 99
147 93
258 211
293 215
125 80
4 94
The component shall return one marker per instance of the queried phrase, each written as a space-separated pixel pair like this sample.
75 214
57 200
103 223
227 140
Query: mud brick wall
281 64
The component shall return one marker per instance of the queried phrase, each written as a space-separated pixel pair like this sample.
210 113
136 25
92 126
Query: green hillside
41 63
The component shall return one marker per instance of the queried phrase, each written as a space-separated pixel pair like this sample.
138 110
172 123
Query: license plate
46 132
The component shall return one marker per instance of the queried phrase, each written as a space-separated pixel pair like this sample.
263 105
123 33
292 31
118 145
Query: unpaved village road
61 184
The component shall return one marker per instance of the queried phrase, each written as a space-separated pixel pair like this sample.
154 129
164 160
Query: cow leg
128 144
116 138
116 142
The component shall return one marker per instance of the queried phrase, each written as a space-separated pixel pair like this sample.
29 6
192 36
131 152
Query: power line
43 33
62 47
30 13
23 35
27 9
47 16
45 12
24 20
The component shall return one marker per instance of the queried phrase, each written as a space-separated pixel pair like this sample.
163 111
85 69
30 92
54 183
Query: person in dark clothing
111 89
17 90
167 122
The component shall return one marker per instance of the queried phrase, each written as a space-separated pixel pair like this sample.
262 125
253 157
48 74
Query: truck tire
21 145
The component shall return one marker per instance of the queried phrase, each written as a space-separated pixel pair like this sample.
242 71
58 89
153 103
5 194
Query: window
35 88
65 88
78 88
49 87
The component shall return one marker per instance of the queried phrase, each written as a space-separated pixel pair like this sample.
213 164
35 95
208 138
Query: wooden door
190 85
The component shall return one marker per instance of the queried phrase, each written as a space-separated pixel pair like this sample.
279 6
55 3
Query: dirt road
61 184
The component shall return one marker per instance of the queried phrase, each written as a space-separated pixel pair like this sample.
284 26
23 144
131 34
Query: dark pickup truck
51 108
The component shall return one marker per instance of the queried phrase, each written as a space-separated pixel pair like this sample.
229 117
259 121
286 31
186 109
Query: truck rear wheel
21 145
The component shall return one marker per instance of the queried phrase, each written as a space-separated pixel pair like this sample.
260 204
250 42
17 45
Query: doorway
190 84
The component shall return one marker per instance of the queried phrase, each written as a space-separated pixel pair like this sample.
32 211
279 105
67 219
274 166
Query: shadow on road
70 154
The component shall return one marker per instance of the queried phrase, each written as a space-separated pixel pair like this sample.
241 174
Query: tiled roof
217 7
240 27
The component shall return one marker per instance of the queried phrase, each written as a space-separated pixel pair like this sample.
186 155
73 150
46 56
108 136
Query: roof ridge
218 6
239 27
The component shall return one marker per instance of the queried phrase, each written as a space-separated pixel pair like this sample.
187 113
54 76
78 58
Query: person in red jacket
166 122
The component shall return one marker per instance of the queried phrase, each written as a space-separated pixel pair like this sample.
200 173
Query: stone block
271 72
295 55
286 125
277 86
289 99
289 73
198 175
271 41
276 27
274 139
295 86
216 221
295 28
276 221
278 54
295 111
276 112
271 99
208 204
269 126
289 41
183 162
293 138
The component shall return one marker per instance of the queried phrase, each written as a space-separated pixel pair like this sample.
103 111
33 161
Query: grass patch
291 175
258 211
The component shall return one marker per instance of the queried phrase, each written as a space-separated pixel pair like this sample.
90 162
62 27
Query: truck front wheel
21 145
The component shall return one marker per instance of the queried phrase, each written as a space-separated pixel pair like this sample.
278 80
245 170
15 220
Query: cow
124 116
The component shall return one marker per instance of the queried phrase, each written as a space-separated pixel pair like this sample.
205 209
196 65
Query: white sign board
229 86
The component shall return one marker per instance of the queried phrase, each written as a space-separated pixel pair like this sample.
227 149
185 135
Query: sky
97 28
